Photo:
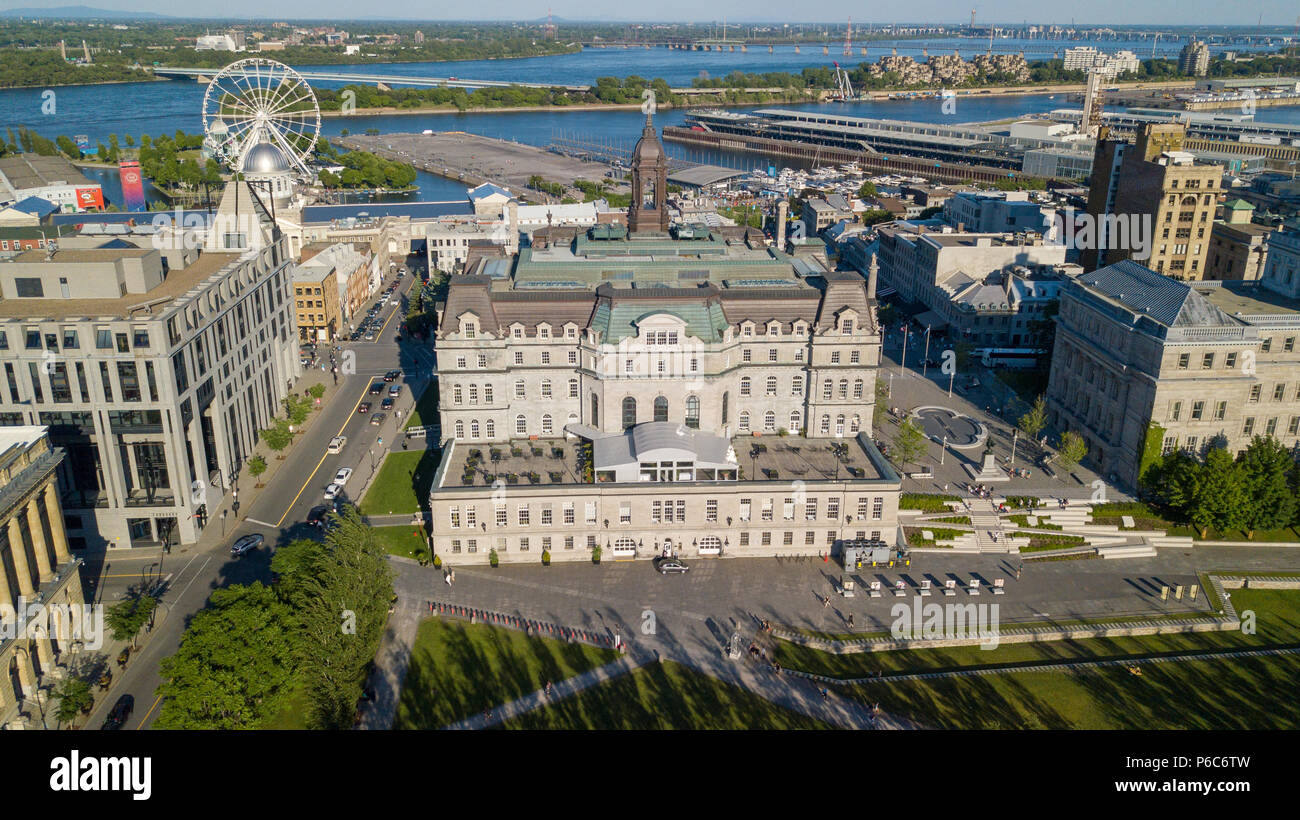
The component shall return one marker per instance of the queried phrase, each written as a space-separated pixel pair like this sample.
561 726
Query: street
278 510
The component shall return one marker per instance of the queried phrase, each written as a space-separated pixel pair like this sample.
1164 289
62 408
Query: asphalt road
279 511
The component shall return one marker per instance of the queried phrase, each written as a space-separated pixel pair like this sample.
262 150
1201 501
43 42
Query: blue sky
1119 12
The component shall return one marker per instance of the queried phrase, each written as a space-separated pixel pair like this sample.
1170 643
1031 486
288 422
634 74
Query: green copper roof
618 322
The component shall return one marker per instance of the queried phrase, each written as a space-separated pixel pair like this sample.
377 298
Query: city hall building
657 388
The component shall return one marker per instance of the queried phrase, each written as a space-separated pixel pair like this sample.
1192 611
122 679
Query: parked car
370 336
117 716
246 545
342 476
670 565
336 445
377 418
332 492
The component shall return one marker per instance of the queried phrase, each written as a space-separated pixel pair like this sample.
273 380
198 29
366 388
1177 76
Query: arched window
856 424
839 425
547 426
519 389
460 429
491 428
473 428
744 386
844 388
744 421
769 421
595 411
546 388
796 386
796 421
661 409
827 388
771 385
521 425
487 394
573 388
826 425
857 388
693 412
629 412
725 401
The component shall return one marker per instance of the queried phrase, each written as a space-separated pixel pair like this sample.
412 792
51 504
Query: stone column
39 549
57 532
5 598
19 548
26 673
44 651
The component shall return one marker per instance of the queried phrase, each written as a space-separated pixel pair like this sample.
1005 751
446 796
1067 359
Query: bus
1021 358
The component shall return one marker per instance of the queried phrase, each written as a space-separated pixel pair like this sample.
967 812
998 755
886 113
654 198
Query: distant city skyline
1098 12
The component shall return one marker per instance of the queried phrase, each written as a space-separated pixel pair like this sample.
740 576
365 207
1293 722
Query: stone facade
1140 354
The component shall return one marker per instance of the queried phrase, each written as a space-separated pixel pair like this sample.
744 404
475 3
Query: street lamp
943 449
925 362
223 523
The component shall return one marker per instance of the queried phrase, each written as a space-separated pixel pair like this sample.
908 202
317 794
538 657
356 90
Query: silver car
246 545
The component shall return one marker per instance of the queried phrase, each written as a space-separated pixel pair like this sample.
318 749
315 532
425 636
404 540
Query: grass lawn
1284 534
402 539
426 408
1238 693
403 483
915 539
664 696
950 519
459 669
1041 543
1023 521
1278 614
926 502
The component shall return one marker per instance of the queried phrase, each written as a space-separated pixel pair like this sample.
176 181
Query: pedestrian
1018 572
446 576
826 602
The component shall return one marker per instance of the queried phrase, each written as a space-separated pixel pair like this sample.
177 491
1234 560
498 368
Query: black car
319 515
392 375
386 404
119 713
670 565
376 388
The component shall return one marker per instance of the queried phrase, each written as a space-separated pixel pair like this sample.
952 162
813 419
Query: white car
336 444
342 476
332 492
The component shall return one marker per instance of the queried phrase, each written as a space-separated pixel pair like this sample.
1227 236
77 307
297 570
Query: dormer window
543 331
846 327
517 332
471 330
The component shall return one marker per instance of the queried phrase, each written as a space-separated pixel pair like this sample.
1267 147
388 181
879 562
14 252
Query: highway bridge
382 81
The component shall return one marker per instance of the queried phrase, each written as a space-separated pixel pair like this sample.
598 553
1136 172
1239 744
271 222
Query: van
336 444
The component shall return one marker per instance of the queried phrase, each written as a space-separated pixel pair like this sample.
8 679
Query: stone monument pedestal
989 472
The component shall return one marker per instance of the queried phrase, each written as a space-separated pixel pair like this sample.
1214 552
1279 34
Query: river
165 107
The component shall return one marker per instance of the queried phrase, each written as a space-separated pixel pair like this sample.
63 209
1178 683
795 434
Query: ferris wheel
255 100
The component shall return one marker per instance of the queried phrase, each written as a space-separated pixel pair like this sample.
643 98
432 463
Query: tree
316 390
1270 502
73 695
1073 449
909 446
297 408
1033 422
277 436
234 665
256 466
342 618
127 617
1221 499
880 410
866 189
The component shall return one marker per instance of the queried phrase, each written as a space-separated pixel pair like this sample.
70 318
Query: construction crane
848 39
844 86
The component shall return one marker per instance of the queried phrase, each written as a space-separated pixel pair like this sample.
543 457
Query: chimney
782 209
873 273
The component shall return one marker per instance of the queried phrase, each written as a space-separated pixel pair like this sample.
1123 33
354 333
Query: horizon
1189 13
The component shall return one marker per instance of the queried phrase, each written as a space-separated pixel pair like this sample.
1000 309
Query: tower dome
264 158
